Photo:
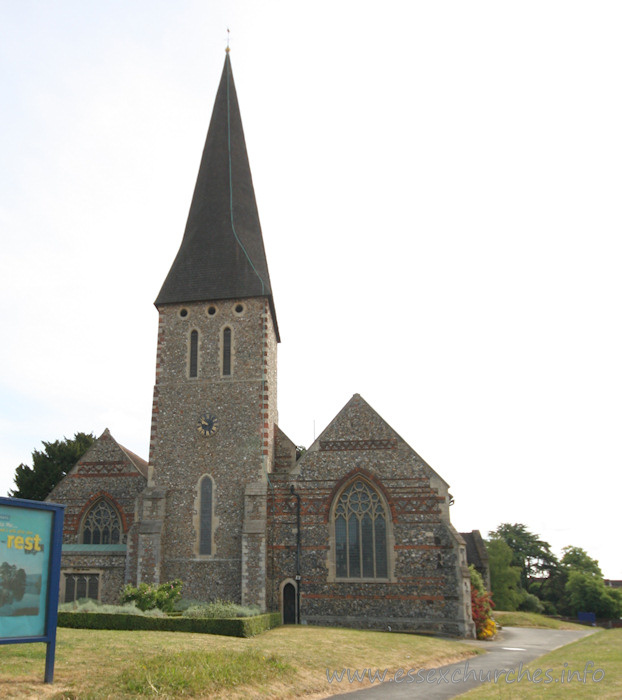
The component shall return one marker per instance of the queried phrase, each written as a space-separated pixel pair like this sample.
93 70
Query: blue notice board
31 534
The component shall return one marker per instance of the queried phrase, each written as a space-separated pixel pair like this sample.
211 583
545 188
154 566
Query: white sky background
439 188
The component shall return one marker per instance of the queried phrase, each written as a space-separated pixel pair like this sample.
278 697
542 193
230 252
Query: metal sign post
31 537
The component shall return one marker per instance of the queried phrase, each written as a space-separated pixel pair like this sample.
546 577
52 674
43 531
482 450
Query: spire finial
228 33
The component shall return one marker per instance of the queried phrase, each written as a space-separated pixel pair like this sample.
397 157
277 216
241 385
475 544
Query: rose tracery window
102 525
360 533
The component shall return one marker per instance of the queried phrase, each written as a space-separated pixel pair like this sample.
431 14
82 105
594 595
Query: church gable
107 471
377 546
357 427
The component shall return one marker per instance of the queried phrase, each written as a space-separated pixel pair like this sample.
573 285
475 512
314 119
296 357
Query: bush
87 605
184 603
549 607
220 609
530 603
481 607
232 627
149 596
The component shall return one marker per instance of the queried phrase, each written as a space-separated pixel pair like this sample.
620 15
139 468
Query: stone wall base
451 628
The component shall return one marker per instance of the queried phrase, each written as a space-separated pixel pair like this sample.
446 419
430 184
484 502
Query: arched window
205 512
194 353
101 525
226 352
360 522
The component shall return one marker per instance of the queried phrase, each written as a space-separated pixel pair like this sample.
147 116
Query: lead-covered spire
222 254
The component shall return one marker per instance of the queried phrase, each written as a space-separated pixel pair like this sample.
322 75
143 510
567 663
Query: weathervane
228 33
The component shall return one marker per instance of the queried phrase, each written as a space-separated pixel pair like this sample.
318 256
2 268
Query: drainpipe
291 489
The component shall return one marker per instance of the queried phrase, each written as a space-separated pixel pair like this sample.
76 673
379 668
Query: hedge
230 627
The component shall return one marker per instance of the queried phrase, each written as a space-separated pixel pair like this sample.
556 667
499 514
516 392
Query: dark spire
222 254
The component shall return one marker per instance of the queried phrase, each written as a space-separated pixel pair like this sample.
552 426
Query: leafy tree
532 555
49 466
504 578
587 593
553 591
577 559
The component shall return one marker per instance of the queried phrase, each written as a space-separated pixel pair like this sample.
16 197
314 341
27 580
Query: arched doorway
289 604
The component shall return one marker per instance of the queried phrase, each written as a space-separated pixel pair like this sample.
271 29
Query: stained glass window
102 524
360 533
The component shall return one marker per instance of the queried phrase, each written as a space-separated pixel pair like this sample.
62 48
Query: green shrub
530 603
184 603
219 609
232 627
549 607
86 605
149 596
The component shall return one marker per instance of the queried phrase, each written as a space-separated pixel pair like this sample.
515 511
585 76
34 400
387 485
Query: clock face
208 424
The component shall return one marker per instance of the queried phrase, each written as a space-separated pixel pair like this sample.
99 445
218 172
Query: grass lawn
286 662
568 665
524 619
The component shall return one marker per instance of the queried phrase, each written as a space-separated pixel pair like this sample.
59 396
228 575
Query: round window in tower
239 309
183 313
211 310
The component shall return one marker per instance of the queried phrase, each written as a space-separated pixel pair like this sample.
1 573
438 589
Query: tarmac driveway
512 647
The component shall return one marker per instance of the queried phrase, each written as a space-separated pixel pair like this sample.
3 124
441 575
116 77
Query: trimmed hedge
230 627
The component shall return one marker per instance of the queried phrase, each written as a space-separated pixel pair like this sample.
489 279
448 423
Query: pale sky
439 189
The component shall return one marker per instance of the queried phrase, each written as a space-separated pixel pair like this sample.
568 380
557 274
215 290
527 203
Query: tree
49 466
577 559
587 593
504 578
532 555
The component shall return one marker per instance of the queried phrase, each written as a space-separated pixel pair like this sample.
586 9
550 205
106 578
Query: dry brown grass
90 663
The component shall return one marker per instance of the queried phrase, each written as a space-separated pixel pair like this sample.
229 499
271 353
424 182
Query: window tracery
101 525
360 522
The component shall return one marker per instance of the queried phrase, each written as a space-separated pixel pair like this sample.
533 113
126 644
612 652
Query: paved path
513 646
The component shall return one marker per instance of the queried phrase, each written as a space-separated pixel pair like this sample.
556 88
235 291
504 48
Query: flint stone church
354 531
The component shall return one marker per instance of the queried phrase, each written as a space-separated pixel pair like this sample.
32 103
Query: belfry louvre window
226 352
205 530
360 533
194 353
102 525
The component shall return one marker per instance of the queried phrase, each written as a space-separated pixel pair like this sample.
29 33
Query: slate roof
222 253
476 551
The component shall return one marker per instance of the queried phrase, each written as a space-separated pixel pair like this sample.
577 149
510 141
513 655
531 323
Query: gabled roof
105 450
222 254
476 551
141 464
359 427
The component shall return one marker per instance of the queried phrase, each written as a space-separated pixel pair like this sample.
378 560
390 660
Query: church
353 531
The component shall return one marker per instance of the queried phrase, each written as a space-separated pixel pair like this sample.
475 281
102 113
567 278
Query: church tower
203 513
